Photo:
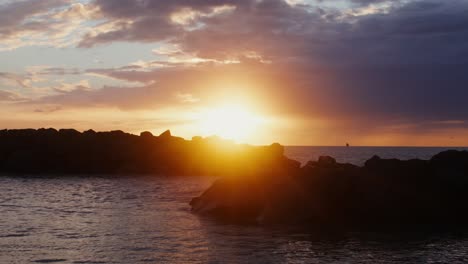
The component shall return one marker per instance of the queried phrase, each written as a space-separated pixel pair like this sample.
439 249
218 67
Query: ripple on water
14 235
42 223
88 262
49 260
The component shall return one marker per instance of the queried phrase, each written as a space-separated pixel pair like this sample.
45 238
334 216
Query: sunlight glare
234 122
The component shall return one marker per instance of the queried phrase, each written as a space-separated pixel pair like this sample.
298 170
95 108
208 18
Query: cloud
276 30
166 20
126 98
42 22
371 63
57 71
7 96
21 81
37 74
48 109
160 87
15 14
375 63
367 2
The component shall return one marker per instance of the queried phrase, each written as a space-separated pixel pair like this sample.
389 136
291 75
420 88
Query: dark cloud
409 63
280 31
367 2
14 16
150 20
360 3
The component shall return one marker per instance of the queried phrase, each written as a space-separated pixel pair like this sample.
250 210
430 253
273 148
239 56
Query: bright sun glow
233 122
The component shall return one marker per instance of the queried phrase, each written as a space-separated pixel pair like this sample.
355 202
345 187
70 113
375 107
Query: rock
47 132
372 162
197 139
89 132
326 162
311 164
450 158
146 134
395 168
291 164
70 152
69 132
231 200
451 163
277 149
382 165
385 193
117 133
166 134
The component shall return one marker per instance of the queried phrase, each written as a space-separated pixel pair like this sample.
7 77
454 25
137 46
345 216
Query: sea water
148 220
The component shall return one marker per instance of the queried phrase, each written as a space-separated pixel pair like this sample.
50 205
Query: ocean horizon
357 155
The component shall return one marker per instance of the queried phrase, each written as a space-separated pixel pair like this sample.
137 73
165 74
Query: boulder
146 134
47 132
166 134
450 159
277 149
70 152
69 132
89 132
384 193
326 162
231 200
197 139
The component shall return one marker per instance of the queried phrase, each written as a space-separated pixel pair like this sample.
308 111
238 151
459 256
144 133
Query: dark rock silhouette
67 151
259 184
384 193
146 134
166 134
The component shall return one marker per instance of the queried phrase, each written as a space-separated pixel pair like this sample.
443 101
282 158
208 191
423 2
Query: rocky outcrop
259 184
68 151
387 193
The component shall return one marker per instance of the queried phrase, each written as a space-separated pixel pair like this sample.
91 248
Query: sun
234 122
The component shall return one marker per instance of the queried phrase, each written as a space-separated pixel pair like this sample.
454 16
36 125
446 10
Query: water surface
148 220
358 155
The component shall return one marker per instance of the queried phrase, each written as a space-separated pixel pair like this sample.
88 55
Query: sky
298 72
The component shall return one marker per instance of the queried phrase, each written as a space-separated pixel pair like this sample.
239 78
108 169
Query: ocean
358 155
148 220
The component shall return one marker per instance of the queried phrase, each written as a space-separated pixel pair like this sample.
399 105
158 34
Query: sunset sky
310 72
